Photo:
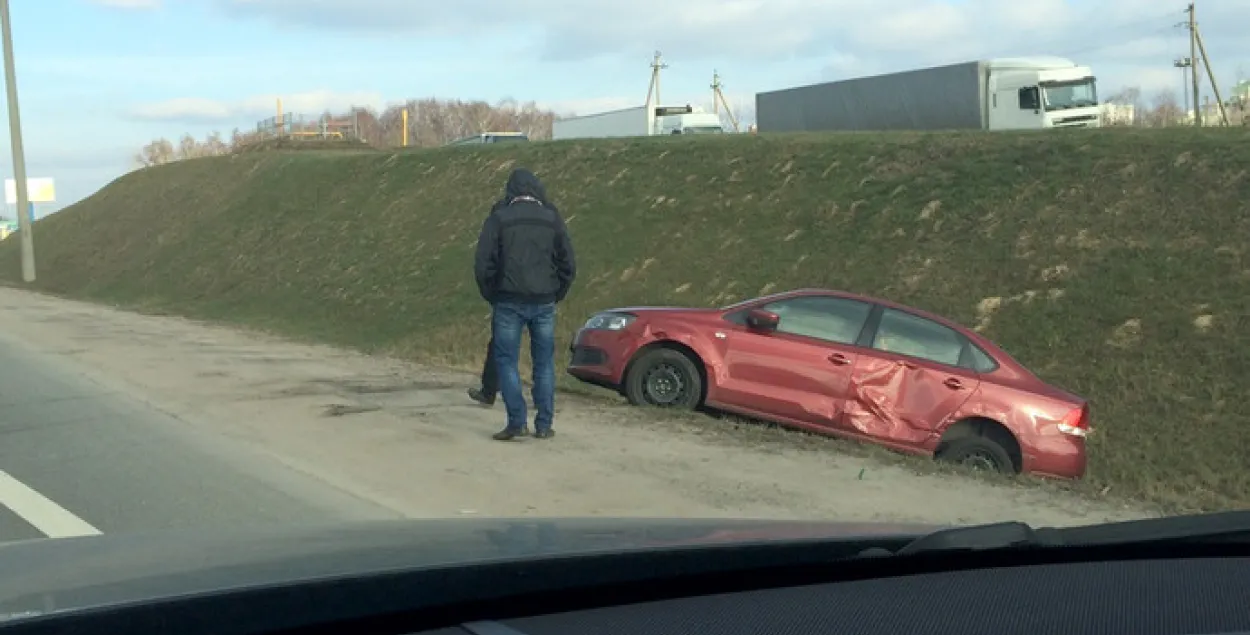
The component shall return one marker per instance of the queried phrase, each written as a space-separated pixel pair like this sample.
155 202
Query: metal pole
19 154
1193 64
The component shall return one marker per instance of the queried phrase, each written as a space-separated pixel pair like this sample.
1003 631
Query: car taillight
1076 422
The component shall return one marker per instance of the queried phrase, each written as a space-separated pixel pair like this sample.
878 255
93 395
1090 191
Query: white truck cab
1040 92
686 120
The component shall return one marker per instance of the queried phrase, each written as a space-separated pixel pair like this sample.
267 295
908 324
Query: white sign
38 190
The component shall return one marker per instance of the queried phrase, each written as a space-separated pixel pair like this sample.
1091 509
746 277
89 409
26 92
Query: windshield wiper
1199 528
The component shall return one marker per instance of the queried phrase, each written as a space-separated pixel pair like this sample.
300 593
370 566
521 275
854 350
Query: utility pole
654 89
718 99
1193 56
24 221
1215 88
716 93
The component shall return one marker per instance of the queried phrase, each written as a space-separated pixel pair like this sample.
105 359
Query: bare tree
214 146
156 152
188 147
431 122
434 122
162 150
1126 98
1165 111
240 139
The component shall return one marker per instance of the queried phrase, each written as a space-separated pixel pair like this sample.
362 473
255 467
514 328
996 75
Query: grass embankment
1113 262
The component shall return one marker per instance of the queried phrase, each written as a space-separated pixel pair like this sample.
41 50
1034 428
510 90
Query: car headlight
609 321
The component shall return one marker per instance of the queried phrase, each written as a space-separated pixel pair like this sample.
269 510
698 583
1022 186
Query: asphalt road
77 458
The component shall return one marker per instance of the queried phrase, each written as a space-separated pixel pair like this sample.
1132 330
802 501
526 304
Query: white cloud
844 66
922 30
1160 48
128 4
138 73
185 108
202 110
1153 81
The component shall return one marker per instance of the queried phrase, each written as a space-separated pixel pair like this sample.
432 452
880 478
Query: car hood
71 573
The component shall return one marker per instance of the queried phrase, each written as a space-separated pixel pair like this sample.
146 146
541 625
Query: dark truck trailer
1004 94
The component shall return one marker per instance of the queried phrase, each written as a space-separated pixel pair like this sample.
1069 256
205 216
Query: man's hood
522 182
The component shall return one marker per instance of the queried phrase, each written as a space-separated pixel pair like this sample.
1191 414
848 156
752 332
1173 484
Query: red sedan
846 365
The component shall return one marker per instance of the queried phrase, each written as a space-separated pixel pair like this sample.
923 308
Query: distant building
1242 90
1118 114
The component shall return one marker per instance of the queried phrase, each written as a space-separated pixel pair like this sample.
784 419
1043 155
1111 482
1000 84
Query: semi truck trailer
637 122
999 94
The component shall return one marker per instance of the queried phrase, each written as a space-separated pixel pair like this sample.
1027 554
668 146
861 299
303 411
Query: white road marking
38 510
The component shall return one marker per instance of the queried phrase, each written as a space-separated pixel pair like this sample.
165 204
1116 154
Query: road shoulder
406 437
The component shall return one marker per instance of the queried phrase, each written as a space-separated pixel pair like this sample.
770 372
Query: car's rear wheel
978 453
664 378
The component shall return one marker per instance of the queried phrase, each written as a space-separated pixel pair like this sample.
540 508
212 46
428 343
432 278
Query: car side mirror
761 320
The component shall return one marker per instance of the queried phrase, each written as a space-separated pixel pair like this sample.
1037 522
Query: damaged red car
847 365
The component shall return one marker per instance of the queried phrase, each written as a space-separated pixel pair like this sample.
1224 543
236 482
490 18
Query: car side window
906 334
838 320
981 360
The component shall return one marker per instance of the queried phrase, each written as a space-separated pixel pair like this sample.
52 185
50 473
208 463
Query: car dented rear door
909 382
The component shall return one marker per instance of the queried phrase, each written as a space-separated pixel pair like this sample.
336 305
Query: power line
1102 35
1108 44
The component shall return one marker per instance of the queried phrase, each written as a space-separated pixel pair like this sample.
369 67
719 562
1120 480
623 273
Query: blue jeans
508 319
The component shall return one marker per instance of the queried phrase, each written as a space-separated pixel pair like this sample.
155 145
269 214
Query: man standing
524 266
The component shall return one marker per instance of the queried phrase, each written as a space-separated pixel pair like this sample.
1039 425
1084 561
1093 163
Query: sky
98 79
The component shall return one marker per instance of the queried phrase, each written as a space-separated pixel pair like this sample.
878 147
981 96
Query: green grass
1072 235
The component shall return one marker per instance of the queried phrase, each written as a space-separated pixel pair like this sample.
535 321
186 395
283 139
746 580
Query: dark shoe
508 434
476 394
544 434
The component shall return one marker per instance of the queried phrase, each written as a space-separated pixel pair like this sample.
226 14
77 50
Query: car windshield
263 270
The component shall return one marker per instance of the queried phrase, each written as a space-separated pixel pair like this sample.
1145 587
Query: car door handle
953 383
839 359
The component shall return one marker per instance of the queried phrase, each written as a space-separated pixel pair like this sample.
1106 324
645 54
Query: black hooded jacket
524 254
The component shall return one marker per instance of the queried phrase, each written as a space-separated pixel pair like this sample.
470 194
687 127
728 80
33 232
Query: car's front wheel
664 378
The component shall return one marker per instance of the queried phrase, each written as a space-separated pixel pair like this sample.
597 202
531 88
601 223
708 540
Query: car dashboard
1154 597
792 588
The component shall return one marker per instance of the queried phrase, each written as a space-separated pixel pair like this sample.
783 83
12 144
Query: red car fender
691 338
977 407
